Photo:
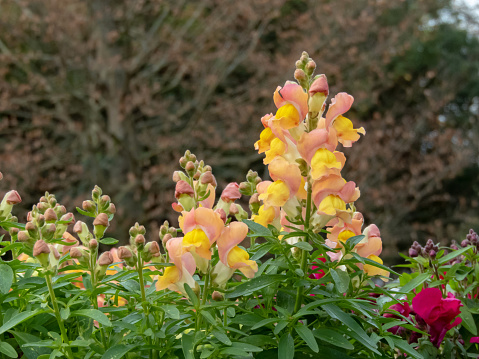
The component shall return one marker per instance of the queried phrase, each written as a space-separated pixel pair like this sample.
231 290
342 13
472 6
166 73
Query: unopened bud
76 253
48 231
432 253
183 162
176 176
12 198
60 210
96 193
173 231
41 251
1 176
233 210
111 208
105 259
310 67
465 243
208 177
40 220
197 175
68 217
183 188
23 236
217 296
190 168
89 206
299 64
124 253
300 75
152 247
165 239
101 220
43 199
413 252
140 240
93 243
32 229
231 192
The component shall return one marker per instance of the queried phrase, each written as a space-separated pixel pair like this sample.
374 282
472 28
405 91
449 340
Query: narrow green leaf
6 278
7 225
88 214
263 323
117 351
286 347
468 320
187 344
17 319
332 337
93 314
109 241
307 335
304 246
8 350
255 284
407 348
246 347
171 311
453 255
221 336
353 241
421 278
258 229
341 279
194 299
265 248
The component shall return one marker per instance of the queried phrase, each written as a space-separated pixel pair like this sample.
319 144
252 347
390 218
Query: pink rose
437 312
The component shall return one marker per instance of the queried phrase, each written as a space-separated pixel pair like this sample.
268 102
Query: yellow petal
372 270
322 162
171 275
345 131
277 148
197 241
264 216
330 204
345 235
288 116
276 195
239 259
265 139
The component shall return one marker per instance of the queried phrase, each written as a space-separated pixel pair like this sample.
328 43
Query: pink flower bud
320 85
222 214
40 248
12 198
68 217
183 187
139 240
124 253
208 177
231 192
93 243
101 220
77 228
105 259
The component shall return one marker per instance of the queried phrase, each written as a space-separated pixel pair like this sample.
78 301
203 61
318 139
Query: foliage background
112 92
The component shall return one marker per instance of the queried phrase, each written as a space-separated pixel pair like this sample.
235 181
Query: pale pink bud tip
76 252
182 187
101 220
105 259
77 228
319 85
40 247
231 192
50 215
140 239
124 252
13 197
222 214
154 248
208 177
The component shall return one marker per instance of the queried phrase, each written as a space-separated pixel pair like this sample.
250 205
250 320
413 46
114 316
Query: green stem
94 299
144 304
304 253
63 331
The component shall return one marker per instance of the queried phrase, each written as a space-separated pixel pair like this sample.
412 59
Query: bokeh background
112 92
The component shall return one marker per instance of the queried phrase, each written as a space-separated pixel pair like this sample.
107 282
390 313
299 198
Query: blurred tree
112 92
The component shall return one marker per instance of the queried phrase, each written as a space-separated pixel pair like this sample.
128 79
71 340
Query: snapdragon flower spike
331 193
202 227
175 277
231 256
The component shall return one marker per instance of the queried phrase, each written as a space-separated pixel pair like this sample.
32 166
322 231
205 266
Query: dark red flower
437 312
317 274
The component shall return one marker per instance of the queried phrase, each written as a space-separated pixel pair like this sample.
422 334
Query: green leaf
356 330
468 320
93 314
8 350
221 336
7 225
258 229
405 347
65 313
6 278
341 279
353 241
117 351
17 319
286 347
246 347
29 352
85 213
194 299
421 278
109 241
265 248
304 246
307 335
171 311
187 344
332 337
263 323
453 255
255 284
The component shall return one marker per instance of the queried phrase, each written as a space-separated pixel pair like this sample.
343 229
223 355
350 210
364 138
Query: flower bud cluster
166 233
472 239
138 247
